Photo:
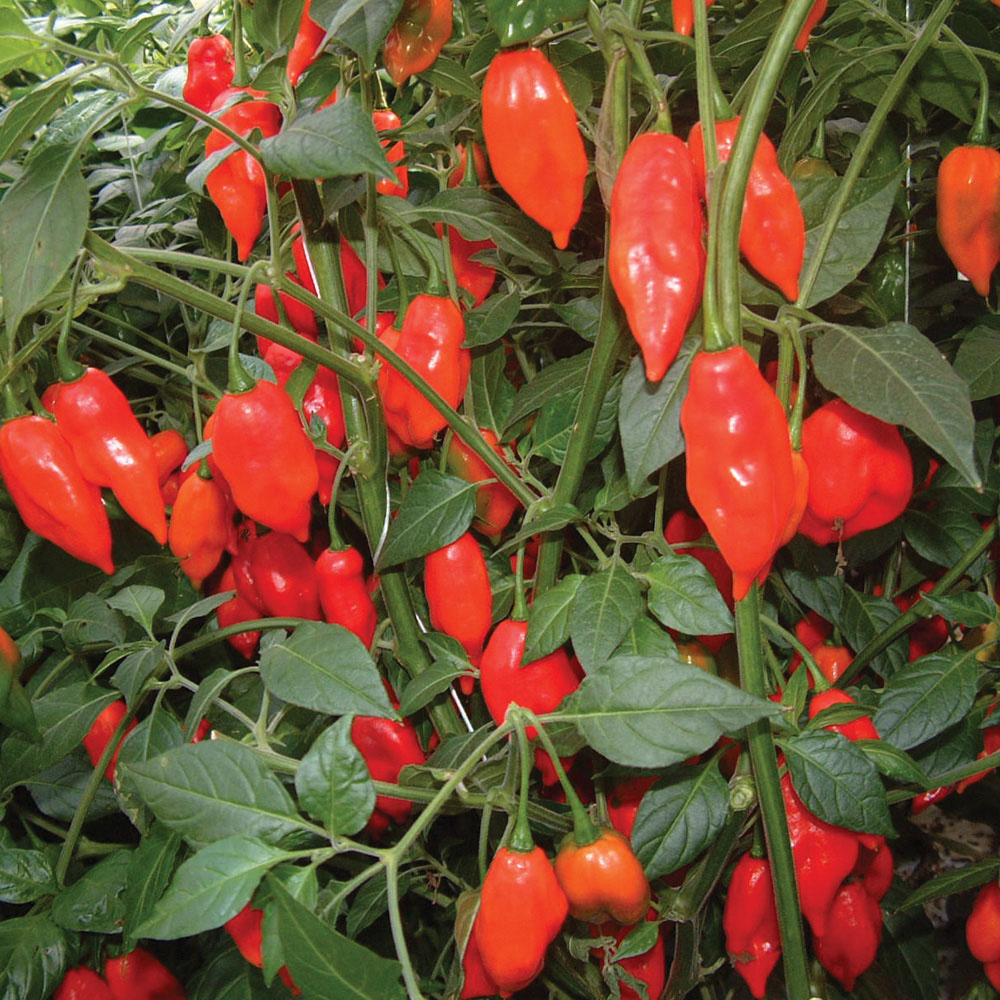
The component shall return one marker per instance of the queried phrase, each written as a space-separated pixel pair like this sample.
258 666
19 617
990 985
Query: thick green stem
887 101
772 806
520 839
737 174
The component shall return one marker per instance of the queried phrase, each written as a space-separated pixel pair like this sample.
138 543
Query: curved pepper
495 504
211 67
476 980
832 662
416 38
815 15
602 880
431 341
860 473
237 185
200 526
386 119
740 477
968 212
306 47
773 230
49 490
246 930
82 983
522 910
533 140
656 260
982 930
344 595
750 922
284 577
169 450
111 447
861 728
459 595
141 976
100 733
682 13
853 933
267 459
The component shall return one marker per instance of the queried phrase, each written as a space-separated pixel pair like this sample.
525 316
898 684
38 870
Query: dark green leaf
23 117
978 362
558 379
211 887
837 782
275 22
451 77
139 603
893 762
226 975
970 877
372 900
646 638
679 817
492 394
822 594
333 783
649 414
33 957
94 903
24 876
211 790
136 669
970 608
360 24
926 697
490 321
91 621
514 21
437 510
909 955
426 686
548 618
582 316
651 712
338 141
551 432
684 596
149 872
862 617
58 790
941 536
896 374
605 606
326 964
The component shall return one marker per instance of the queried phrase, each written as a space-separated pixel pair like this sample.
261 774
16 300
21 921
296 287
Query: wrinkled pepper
284 577
495 504
343 593
848 945
982 929
237 609
416 38
649 967
305 49
386 119
656 259
533 140
140 975
200 526
750 923
211 67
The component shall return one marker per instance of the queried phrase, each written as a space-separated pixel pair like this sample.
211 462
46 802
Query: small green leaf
149 872
893 762
360 24
969 608
951 883
427 685
25 876
548 618
490 321
33 957
978 362
605 605
93 903
684 596
515 22
136 669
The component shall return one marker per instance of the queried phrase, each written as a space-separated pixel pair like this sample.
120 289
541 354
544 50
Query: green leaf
558 379
360 24
213 789
427 685
275 22
136 669
43 218
149 872
646 638
552 430
978 362
679 817
951 883
861 617
492 395
33 957
548 618
893 762
338 141
333 783
908 954
604 608
372 900
896 374
25 876
436 511
649 414
684 596
91 621
58 790
582 316
18 44
227 975
491 320
941 536
823 594
94 903
837 782
23 117
139 603
969 608
926 697
451 77
211 887
651 712
515 21
325 668
326 964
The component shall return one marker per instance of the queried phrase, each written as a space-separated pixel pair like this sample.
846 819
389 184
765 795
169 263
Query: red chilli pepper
858 729
200 526
750 922
416 38
656 259
459 595
170 449
344 595
50 492
82 983
237 609
100 733
495 504
853 932
815 16
387 119
740 477
682 12
284 577
211 68
246 930
306 47
141 976
111 447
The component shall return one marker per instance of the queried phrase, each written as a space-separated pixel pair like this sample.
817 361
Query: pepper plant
444 437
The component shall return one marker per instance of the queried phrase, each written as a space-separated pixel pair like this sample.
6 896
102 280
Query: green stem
240 380
69 370
980 133
396 923
240 76
772 807
520 840
819 680
887 101
868 652
737 174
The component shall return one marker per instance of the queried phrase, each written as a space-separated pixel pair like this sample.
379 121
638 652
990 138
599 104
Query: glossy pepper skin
267 459
200 525
533 140
814 17
860 473
211 68
750 923
459 595
416 38
476 980
431 341
773 230
344 594
82 983
602 880
649 967
246 930
387 748
968 212
111 447
386 119
853 933
306 47
284 577
682 12
832 662
237 185
50 492
141 976
656 258
540 685
740 477
237 609
522 910
100 733
982 930
495 504
624 801
169 449
861 728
